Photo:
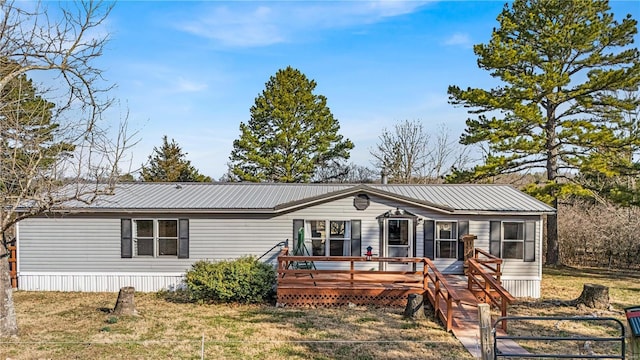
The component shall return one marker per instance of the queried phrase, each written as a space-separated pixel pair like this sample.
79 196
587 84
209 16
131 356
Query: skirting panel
522 288
329 297
98 282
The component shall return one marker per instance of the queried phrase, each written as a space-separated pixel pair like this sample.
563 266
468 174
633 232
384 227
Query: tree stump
415 307
125 304
594 296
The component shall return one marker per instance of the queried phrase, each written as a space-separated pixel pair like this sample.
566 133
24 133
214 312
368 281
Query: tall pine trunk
553 249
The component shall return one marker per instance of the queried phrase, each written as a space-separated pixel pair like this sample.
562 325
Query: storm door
397 241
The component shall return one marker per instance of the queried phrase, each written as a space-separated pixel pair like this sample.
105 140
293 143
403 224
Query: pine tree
169 164
290 135
563 65
28 144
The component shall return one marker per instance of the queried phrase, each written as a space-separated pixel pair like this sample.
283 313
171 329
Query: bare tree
409 154
337 172
57 150
402 152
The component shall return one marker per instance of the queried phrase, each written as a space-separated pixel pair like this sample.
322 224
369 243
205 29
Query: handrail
281 243
490 286
487 261
429 277
441 291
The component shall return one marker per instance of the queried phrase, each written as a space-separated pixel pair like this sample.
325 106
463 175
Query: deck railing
439 291
424 278
484 276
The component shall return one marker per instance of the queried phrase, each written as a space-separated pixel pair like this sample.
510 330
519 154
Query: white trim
521 277
94 273
99 282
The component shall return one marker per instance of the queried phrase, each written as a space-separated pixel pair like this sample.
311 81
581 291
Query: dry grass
78 325
559 287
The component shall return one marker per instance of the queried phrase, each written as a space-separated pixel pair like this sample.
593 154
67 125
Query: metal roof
237 197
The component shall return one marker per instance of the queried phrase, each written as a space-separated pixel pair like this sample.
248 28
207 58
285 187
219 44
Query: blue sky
191 70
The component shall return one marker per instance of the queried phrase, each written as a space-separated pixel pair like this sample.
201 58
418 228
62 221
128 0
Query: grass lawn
559 287
78 326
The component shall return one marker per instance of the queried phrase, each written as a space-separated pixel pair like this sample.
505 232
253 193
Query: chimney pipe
383 177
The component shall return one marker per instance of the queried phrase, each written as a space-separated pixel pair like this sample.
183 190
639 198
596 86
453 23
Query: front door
397 241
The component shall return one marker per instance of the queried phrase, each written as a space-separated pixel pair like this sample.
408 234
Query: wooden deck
314 281
454 298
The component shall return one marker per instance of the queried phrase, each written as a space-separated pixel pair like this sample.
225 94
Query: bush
244 280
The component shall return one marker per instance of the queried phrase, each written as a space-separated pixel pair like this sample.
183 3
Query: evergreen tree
28 145
169 164
291 133
563 65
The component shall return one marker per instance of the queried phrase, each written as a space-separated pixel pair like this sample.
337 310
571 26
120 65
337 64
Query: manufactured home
147 235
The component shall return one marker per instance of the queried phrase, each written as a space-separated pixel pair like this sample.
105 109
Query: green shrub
244 280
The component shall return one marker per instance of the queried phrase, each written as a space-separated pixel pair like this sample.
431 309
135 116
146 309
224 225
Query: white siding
82 253
522 288
101 282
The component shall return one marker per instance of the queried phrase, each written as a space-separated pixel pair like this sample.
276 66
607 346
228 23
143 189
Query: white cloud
184 85
261 24
458 39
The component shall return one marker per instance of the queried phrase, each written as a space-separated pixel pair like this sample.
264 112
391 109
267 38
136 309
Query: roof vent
178 186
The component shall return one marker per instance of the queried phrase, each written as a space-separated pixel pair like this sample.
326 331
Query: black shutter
429 233
126 246
356 238
495 228
463 229
183 239
297 225
530 241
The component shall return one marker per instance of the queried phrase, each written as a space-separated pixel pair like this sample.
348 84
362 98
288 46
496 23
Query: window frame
504 241
155 238
327 238
453 239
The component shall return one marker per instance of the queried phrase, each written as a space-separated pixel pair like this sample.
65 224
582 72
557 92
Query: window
333 237
513 240
446 239
318 239
155 237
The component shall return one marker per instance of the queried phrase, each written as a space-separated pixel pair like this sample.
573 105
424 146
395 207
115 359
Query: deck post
425 275
486 341
352 268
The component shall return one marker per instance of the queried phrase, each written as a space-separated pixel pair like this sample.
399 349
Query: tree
562 65
345 174
290 135
55 148
169 164
408 154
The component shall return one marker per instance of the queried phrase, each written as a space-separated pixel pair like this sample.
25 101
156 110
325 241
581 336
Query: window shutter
126 246
495 228
356 238
463 229
530 241
429 233
297 225
183 239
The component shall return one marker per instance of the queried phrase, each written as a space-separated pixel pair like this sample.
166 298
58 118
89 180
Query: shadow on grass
591 273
